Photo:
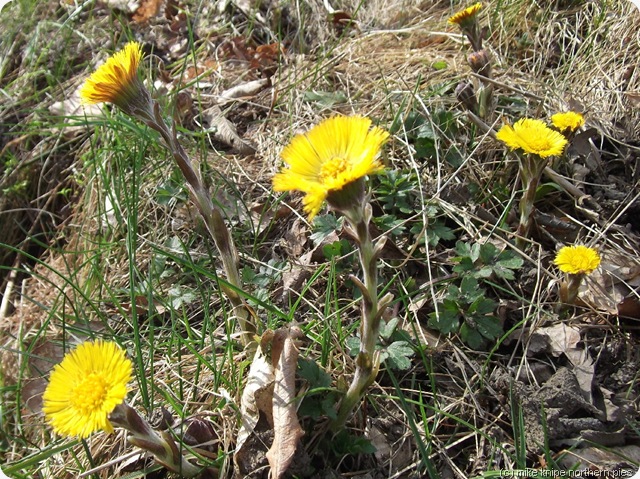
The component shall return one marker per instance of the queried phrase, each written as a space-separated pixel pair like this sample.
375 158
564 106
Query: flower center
90 394
537 142
581 264
333 168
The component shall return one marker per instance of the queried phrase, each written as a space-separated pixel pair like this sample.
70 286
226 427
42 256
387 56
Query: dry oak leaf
286 428
257 394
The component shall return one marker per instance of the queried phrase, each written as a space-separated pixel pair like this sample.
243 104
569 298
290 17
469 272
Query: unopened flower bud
480 63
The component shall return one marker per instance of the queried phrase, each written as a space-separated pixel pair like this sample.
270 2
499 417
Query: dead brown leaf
244 90
614 280
342 21
286 428
261 58
224 131
258 393
147 10
563 339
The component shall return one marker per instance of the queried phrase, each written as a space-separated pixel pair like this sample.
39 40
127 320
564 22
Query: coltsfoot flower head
532 136
568 121
577 259
117 82
466 16
85 388
330 161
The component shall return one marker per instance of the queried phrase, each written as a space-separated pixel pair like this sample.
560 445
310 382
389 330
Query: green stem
526 212
213 220
367 361
531 169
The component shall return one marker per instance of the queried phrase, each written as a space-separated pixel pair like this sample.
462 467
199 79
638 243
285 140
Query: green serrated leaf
453 292
488 253
386 330
311 372
463 249
475 252
510 261
464 265
323 226
485 306
399 354
471 336
505 266
446 319
181 296
489 327
383 355
469 286
483 272
390 224
353 345
441 231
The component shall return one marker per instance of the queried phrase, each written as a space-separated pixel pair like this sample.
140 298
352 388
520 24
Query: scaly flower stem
473 34
367 361
526 212
569 289
162 446
371 320
531 169
213 219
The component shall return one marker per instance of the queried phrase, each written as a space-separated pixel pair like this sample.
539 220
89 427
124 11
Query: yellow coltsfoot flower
465 16
117 82
85 388
577 259
532 136
568 121
330 157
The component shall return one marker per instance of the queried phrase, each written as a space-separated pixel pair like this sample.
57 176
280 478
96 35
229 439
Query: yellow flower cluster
577 259
85 388
333 154
532 136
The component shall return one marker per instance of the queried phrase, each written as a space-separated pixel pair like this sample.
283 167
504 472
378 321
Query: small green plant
324 225
398 192
263 280
320 399
432 135
466 310
485 261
